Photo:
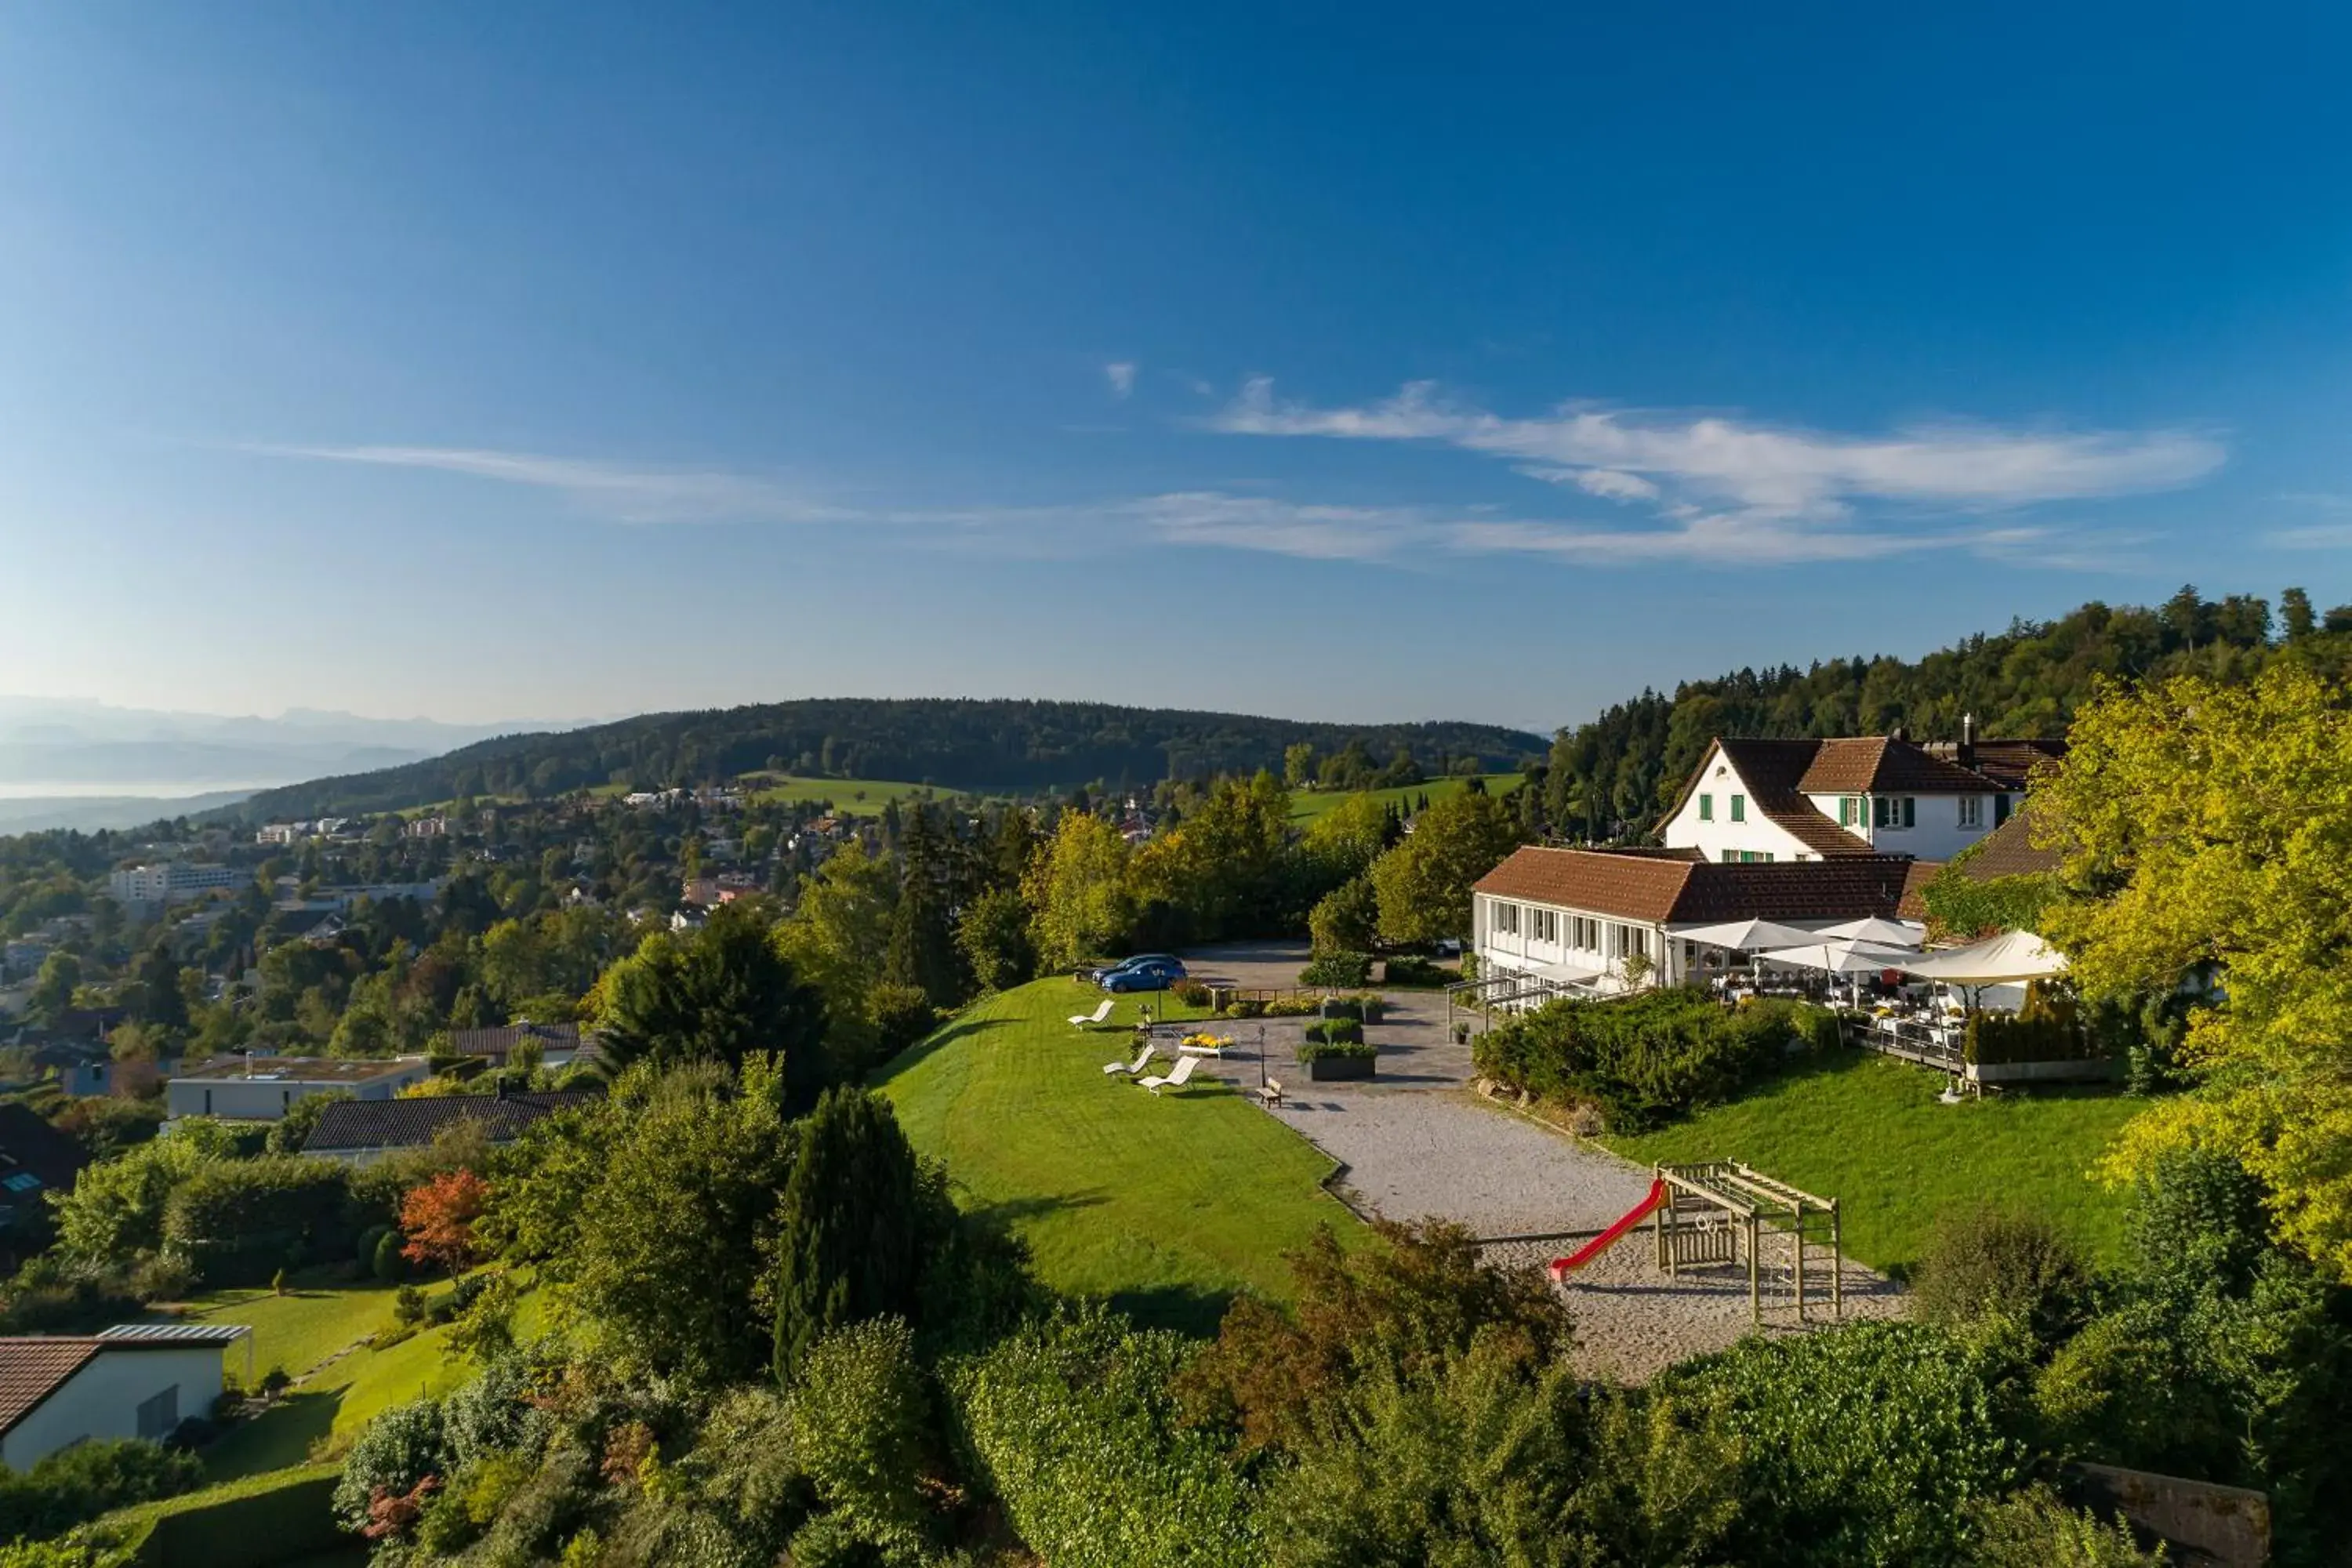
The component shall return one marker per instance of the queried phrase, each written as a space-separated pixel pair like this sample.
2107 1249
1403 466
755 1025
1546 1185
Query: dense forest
1611 778
952 742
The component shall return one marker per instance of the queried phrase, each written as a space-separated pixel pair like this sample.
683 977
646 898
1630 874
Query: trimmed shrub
1336 1050
387 1262
1367 1008
1646 1059
1997 1039
1412 971
1192 994
1335 1032
1346 970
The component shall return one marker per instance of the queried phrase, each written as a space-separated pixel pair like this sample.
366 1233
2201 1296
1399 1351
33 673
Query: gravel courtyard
1419 1142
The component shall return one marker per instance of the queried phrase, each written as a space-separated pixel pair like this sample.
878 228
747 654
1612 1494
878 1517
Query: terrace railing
1909 1039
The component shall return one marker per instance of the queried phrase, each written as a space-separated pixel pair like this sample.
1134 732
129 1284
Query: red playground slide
1615 1233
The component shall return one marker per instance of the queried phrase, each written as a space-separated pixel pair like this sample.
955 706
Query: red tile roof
1662 890
2009 763
2010 851
33 1367
1881 764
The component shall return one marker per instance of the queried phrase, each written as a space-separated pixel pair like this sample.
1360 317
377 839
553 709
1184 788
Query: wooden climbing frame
1719 1211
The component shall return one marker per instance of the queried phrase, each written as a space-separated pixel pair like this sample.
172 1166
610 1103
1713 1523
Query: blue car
1154 974
1098 975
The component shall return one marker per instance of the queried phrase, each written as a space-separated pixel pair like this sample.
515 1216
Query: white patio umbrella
1840 957
2009 959
1745 936
1887 933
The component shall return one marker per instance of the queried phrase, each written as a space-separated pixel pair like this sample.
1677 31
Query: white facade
1721 820
1924 827
171 881
141 1391
271 1089
1601 952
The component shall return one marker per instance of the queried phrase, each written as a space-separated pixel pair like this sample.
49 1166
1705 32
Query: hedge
1649 1057
238 1222
1995 1038
1344 1051
1337 969
1335 1032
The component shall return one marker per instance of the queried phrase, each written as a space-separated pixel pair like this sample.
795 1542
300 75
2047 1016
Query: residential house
560 1045
1773 800
282 833
1607 920
137 1380
361 1133
262 1088
426 827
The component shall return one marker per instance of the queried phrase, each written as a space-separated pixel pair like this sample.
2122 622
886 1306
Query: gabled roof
1881 764
1771 770
2009 763
353 1126
501 1041
34 1366
1659 890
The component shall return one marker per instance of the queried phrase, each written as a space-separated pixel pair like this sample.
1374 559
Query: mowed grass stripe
1167 1205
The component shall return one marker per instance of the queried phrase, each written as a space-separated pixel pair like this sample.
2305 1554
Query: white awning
1745 936
2007 959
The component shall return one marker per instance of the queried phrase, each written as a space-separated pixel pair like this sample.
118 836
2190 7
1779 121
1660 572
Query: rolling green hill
954 745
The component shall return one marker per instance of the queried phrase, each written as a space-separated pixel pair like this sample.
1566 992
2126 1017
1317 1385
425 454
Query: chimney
1967 741
1900 732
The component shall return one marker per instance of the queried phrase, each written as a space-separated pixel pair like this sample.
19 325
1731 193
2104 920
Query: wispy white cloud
1226 516
2333 536
621 492
1120 373
1760 491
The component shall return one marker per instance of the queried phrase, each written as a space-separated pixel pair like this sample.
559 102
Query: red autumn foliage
396 1513
438 1219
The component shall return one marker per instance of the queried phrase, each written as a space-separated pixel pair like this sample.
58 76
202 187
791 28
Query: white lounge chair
1101 1014
1130 1068
1174 1079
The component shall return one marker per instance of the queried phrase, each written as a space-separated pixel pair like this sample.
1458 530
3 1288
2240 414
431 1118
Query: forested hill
1613 777
954 743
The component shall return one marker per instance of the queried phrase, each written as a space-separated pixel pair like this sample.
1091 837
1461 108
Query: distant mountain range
68 763
955 743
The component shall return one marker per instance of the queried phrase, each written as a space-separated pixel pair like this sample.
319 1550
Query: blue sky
1346 361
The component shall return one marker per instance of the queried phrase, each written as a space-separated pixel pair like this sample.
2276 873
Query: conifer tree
854 1226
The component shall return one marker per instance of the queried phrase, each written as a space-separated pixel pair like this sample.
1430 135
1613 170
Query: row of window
1740 857
1739 805
1583 933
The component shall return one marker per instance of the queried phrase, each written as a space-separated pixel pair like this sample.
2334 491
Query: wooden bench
1271 1092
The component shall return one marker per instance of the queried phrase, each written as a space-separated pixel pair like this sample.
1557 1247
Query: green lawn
1871 1133
1306 806
850 797
300 1331
1167 1205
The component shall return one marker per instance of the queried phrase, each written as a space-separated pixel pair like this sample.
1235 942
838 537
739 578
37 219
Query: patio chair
1101 1014
1130 1068
1173 1079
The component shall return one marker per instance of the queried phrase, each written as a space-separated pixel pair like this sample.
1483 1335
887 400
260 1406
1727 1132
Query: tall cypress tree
854 1225
922 951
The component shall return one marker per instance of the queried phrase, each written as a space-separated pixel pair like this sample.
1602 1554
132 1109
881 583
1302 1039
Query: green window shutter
1706 808
1910 811
1738 808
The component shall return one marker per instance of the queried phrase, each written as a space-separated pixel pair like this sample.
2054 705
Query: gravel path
1418 1143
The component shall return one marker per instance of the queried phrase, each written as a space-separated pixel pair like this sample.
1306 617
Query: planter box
1329 1070
2100 1071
